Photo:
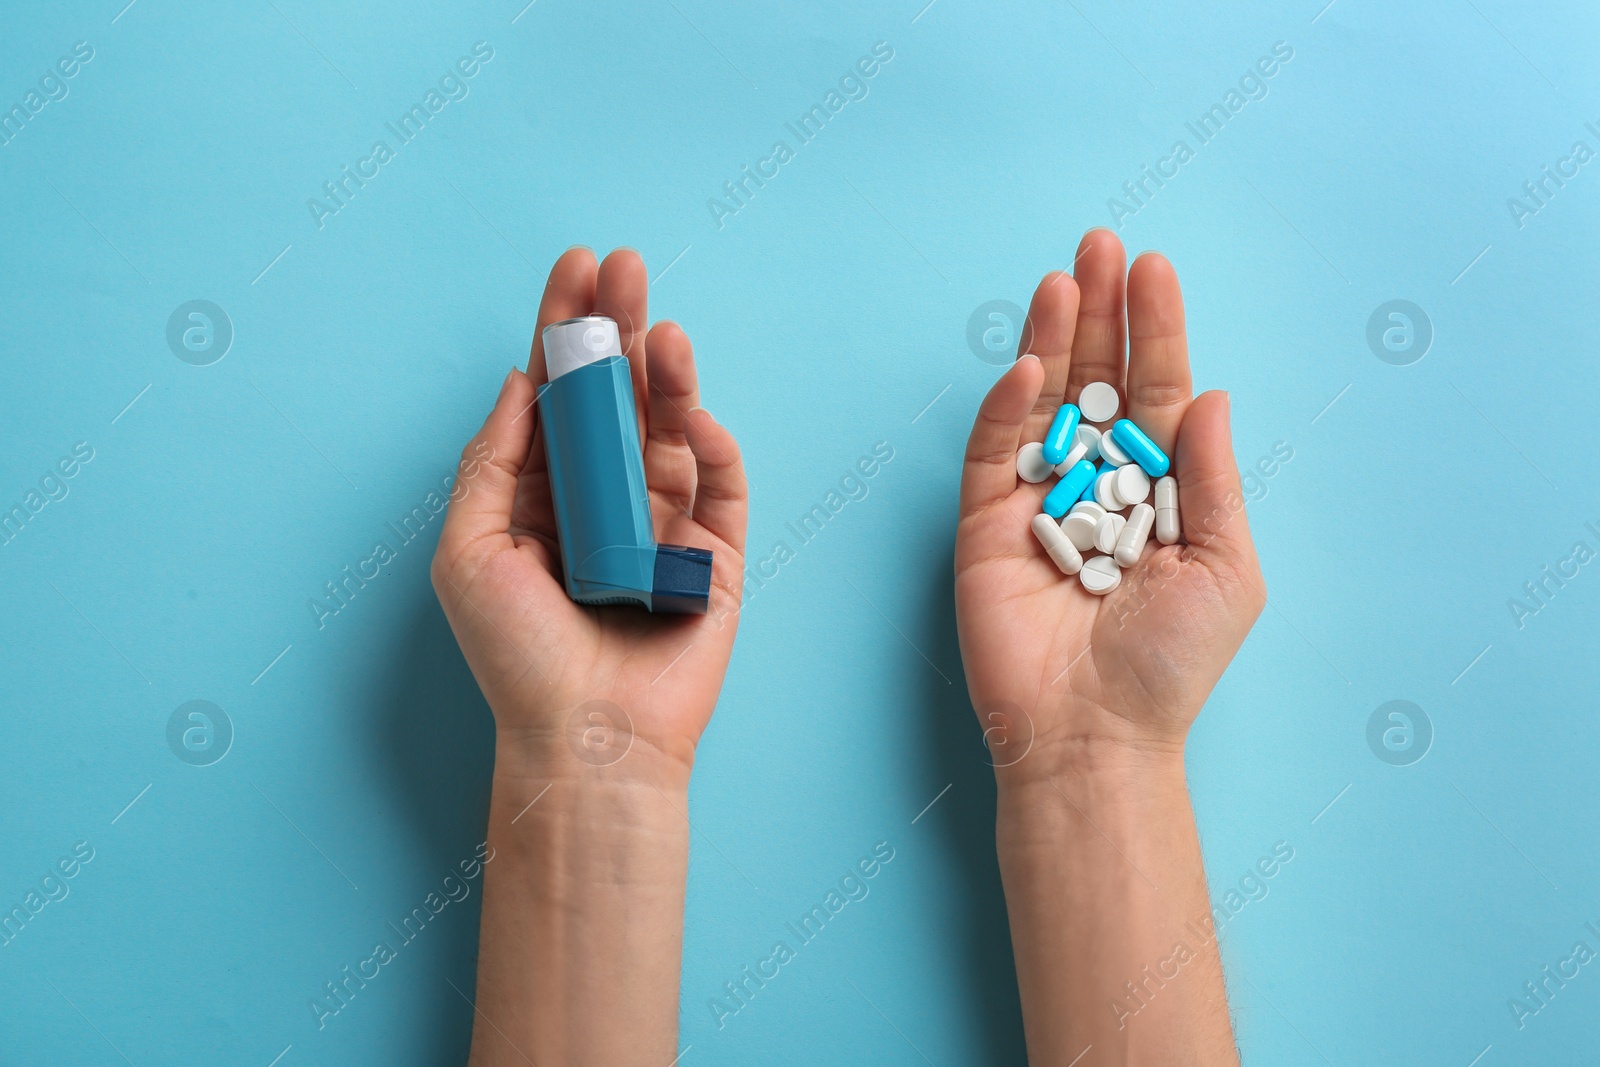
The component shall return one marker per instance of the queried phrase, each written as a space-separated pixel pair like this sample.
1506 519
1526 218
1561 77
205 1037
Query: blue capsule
1069 488
1140 448
1058 441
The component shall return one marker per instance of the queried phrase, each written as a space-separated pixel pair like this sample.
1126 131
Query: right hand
536 654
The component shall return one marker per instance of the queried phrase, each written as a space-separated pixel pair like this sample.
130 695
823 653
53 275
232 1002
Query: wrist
1081 739
578 825
1093 787
592 747
585 871
1063 755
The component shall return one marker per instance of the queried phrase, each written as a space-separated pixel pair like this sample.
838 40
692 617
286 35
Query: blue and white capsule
1140 448
1066 492
1063 431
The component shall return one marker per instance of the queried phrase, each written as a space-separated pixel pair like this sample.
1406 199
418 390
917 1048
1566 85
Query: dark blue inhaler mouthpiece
602 504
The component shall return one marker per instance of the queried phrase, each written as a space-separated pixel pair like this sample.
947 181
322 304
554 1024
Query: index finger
1047 333
989 471
568 294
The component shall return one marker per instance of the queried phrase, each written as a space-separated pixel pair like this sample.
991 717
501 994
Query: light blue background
827 315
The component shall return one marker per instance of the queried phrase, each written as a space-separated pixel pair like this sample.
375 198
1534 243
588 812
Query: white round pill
1031 464
1079 528
1089 507
1107 530
1105 490
1078 451
1112 452
1132 485
1100 575
1098 402
1089 437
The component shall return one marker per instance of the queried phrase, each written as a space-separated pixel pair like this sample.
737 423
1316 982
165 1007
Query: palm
1032 627
1144 657
540 657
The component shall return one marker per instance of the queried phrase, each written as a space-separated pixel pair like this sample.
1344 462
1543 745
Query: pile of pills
1099 509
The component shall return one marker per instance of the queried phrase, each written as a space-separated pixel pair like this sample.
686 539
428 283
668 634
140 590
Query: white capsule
1107 530
1167 524
1132 485
1112 452
1078 451
1100 575
1105 490
1062 551
1167 493
1078 527
1031 465
1098 402
1130 542
1089 437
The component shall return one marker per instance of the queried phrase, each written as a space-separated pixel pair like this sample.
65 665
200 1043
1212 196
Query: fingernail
505 386
586 248
704 412
1028 355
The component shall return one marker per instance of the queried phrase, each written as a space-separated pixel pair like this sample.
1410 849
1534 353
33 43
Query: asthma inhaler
602 505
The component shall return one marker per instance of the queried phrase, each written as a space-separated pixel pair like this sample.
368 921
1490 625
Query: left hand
1128 672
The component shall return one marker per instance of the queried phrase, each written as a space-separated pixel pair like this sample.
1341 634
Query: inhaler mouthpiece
575 343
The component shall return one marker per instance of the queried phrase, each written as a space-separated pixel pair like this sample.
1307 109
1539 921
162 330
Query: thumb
486 479
1210 498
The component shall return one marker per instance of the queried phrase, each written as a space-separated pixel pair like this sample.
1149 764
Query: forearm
1110 919
582 934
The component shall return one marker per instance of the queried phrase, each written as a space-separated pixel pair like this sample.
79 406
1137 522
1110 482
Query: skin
582 926
1086 701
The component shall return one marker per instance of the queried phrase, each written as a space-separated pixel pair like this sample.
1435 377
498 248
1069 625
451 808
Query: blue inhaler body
602 504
